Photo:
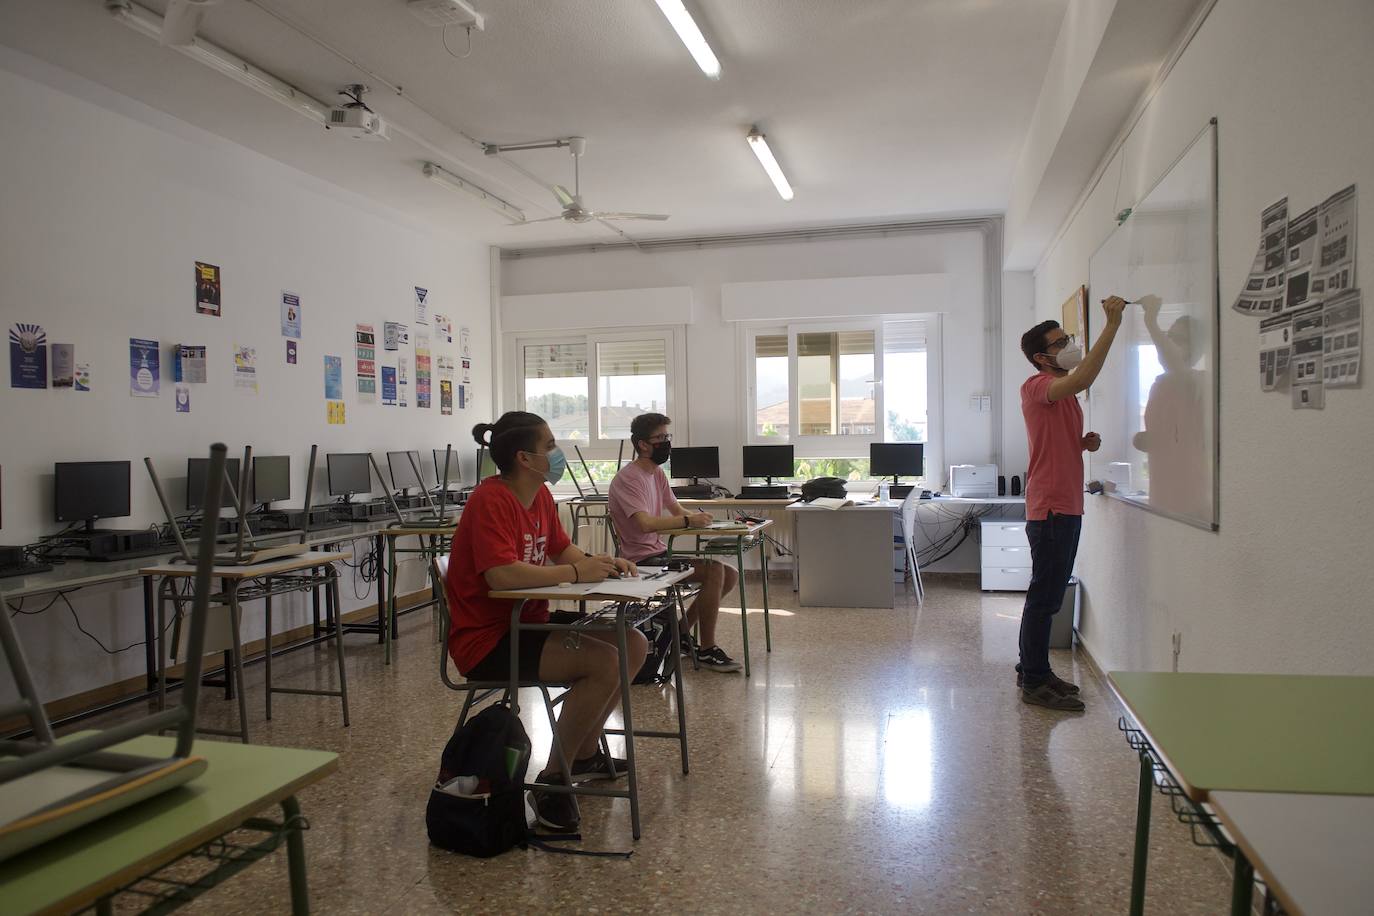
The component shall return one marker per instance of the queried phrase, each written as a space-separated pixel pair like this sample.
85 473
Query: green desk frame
435 541
744 541
125 852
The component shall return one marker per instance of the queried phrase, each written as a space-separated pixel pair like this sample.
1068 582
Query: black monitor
768 461
84 491
896 459
486 467
195 482
703 461
404 474
271 478
455 470
349 473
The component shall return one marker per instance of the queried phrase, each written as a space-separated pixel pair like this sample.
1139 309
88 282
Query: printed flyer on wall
333 378
290 315
28 356
246 368
394 335
183 398
145 369
402 381
421 305
291 353
445 397
464 342
83 377
63 365
334 412
207 289
188 364
367 361
423 372
388 386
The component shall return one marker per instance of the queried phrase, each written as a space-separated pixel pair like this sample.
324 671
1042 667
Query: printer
973 480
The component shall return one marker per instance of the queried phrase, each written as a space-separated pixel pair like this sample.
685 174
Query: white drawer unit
1006 557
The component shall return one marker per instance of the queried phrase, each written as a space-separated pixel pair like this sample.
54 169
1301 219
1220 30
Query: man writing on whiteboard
1054 489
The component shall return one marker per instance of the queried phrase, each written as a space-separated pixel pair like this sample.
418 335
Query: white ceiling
878 110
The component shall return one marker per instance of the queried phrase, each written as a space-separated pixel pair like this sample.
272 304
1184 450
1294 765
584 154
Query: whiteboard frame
1215 523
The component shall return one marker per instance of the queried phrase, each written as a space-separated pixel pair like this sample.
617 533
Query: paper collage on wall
1303 287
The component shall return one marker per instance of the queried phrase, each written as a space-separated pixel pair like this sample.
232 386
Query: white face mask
1070 357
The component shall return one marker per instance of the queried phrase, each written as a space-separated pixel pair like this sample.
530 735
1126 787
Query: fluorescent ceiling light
759 144
442 176
686 28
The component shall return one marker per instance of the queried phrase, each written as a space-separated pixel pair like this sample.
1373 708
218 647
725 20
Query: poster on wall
1343 327
145 369
423 372
421 305
443 328
333 378
467 372
464 342
246 368
394 335
1308 392
464 397
291 353
388 386
28 356
334 413
183 398
445 397
290 315
1335 268
1264 289
188 364
402 382
83 377
63 365
1073 314
207 289
366 342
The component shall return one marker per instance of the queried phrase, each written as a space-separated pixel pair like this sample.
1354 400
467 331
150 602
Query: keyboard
27 568
762 492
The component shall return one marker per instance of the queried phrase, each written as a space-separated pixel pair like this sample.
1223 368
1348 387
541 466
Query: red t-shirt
495 530
1054 429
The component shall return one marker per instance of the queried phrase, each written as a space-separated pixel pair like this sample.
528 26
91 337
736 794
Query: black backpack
658 629
818 487
489 817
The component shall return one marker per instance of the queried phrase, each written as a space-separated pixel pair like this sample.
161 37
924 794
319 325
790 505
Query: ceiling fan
571 201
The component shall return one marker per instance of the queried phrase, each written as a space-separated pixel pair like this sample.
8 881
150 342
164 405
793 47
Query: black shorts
495 665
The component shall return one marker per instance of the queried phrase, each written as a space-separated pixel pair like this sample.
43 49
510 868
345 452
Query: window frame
845 445
595 446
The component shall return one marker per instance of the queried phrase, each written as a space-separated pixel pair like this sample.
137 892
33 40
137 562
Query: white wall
102 215
715 383
1284 586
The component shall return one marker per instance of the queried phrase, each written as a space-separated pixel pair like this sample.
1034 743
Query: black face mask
661 452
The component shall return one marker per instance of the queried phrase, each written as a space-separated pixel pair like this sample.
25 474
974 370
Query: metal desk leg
677 680
315 611
333 573
1142 834
149 652
295 856
1242 884
158 650
379 548
743 608
763 563
620 626
231 586
267 658
389 604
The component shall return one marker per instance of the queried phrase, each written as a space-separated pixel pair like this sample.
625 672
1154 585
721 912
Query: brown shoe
1046 696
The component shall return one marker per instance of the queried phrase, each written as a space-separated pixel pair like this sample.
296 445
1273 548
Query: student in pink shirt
641 506
1054 490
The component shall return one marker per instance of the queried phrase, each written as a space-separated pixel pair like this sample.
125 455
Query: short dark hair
1033 341
517 431
643 426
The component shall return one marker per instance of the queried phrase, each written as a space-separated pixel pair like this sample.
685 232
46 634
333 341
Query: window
589 386
832 391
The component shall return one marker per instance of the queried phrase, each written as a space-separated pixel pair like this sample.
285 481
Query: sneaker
1046 696
1054 680
689 643
715 659
555 810
599 766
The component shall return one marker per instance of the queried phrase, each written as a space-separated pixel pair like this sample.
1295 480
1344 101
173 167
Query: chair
48 788
477 691
908 541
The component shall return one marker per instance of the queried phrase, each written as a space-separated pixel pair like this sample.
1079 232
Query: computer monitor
349 473
768 461
703 461
195 482
455 470
84 491
486 467
896 459
271 478
404 474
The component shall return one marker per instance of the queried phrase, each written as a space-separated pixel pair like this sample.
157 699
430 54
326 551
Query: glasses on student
1062 342
658 440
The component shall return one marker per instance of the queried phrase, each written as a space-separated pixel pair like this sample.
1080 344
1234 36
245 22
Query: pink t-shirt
1054 429
637 490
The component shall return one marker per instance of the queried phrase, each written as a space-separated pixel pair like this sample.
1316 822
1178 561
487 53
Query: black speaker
1015 486
1001 485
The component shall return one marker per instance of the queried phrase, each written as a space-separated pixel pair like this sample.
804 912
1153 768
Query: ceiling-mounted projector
355 119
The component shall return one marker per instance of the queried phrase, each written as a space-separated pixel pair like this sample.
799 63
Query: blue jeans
1053 544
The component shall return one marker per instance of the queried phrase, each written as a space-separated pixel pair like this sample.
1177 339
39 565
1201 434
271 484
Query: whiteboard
1155 401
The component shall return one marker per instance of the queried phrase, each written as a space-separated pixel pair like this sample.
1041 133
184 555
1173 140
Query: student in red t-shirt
509 537
1054 489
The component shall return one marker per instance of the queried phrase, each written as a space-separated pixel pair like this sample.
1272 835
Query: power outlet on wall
980 403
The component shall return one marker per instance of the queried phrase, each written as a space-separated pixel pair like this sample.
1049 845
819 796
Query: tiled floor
877 761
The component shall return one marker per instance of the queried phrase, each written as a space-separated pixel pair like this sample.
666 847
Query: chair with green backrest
47 787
